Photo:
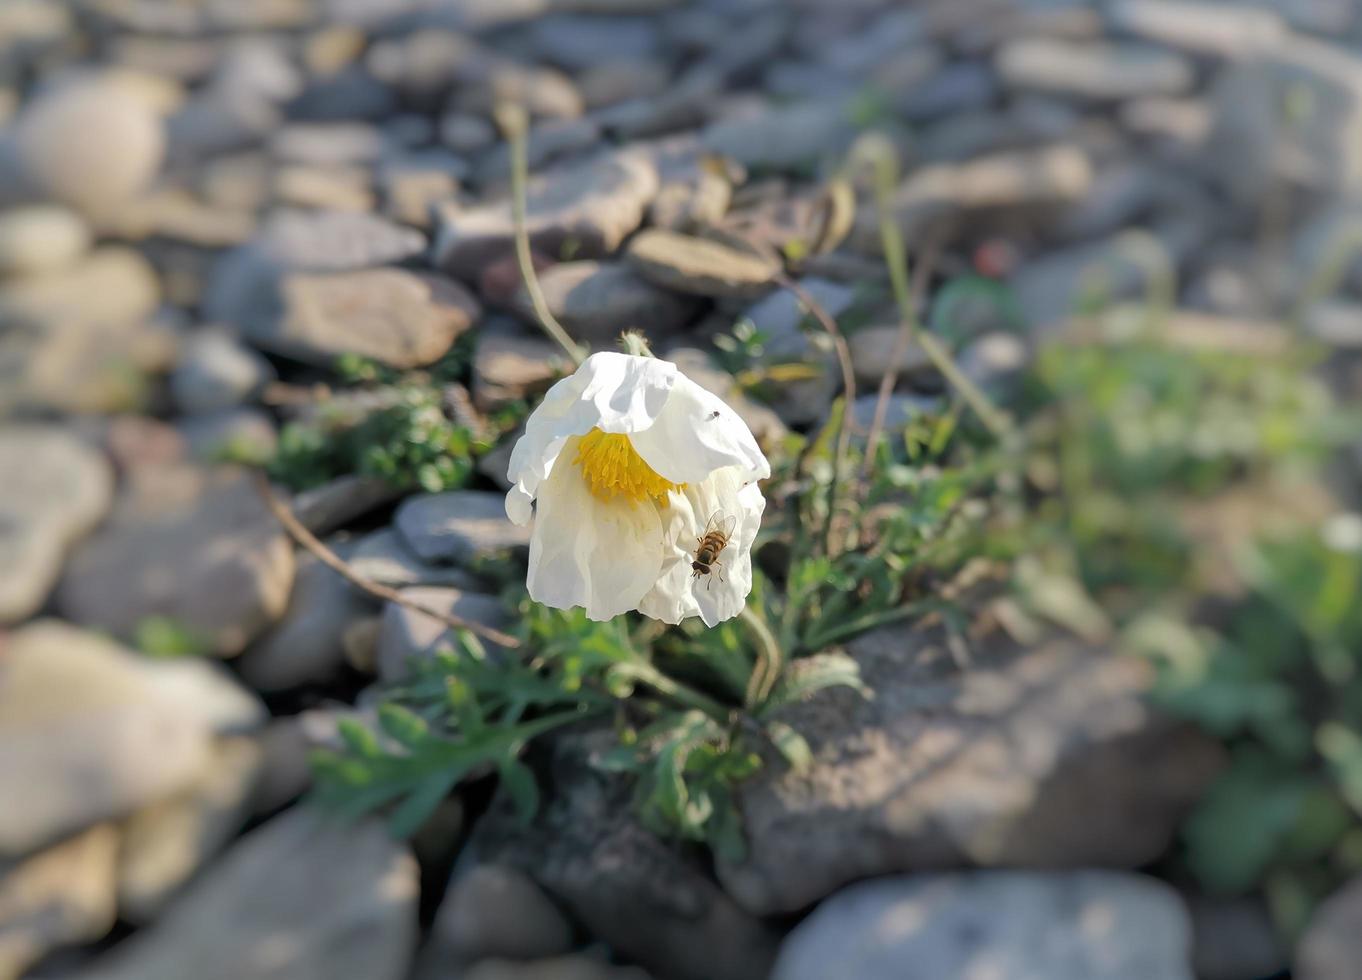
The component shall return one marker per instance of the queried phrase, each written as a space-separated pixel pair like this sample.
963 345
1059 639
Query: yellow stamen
613 468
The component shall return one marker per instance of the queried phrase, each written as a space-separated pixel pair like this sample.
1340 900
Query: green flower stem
515 125
645 673
885 162
853 627
770 659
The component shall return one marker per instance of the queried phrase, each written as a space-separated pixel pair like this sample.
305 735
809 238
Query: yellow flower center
613 468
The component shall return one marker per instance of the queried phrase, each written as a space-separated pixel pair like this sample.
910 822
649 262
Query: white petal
603 556
615 392
721 594
695 434
671 600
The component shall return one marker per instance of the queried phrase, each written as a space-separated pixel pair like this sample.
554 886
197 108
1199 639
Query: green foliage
411 443
164 637
1127 438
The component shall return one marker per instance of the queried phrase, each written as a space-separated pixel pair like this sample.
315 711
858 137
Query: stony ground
206 203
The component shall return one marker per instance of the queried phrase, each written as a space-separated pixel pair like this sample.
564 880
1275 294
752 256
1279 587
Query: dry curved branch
309 541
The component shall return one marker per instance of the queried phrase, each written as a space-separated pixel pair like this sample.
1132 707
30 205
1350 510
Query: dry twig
306 539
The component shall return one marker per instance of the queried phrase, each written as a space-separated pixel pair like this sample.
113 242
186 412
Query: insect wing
722 523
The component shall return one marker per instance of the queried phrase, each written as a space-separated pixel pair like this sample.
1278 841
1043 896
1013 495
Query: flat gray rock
216 371
699 266
394 316
1332 943
195 546
165 844
306 645
383 557
55 490
303 897
597 301
57 130
73 703
460 526
60 896
784 137
1021 925
406 634
594 205
1093 70
1049 757
40 238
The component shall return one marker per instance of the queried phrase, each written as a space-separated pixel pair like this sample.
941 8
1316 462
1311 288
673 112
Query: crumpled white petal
611 556
610 391
695 434
591 554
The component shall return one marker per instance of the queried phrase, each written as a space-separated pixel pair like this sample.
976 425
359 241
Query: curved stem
839 344
770 659
646 673
515 125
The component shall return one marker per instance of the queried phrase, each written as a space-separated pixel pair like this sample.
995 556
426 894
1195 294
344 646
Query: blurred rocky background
227 225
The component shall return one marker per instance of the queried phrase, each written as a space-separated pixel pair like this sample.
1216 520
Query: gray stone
350 93
59 896
1049 757
1235 939
648 899
592 205
40 238
700 266
460 526
493 911
1093 70
1026 182
111 285
407 634
575 966
244 289
196 546
237 435
466 133
1050 288
1293 116
411 185
332 188
55 491
614 82
397 317
90 145
960 87
510 364
215 371
1332 943
165 844
1337 323
993 359
328 144
872 353
336 503
305 646
383 557
1022 925
781 316
597 301
1222 30
784 137
552 141
576 42
303 897
73 703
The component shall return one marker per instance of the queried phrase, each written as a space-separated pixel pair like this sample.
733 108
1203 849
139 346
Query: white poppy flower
630 461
